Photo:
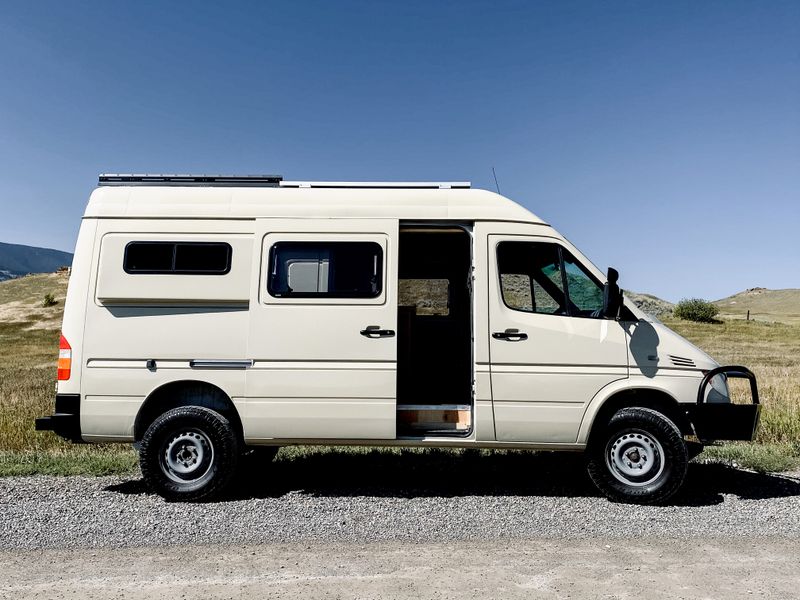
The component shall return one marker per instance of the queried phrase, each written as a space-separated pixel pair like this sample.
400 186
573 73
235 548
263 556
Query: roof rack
127 179
384 185
133 179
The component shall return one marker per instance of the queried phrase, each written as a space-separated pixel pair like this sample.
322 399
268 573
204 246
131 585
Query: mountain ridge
17 260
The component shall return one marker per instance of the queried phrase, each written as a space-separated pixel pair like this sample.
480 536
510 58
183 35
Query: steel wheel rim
635 458
187 456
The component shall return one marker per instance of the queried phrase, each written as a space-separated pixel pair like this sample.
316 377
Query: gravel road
354 499
661 569
337 525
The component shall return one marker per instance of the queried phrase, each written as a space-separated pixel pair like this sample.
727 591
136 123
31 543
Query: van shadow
441 473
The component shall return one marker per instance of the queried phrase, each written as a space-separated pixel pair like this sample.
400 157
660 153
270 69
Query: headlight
718 390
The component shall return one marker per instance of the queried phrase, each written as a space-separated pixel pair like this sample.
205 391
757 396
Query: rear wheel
189 453
640 457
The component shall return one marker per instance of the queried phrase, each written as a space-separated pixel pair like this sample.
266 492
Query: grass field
29 347
781 306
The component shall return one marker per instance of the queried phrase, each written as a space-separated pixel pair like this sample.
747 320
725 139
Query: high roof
307 200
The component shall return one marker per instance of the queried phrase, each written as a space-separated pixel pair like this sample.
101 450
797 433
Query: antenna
495 181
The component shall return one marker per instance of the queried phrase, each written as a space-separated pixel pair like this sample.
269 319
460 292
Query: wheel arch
600 410
187 392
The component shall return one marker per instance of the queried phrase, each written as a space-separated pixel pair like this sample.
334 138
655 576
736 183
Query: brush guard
724 420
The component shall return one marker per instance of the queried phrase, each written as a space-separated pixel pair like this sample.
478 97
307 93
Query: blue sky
661 138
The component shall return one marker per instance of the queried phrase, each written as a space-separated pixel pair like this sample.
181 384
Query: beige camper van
208 315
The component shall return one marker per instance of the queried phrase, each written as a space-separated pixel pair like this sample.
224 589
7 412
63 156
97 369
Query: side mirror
612 295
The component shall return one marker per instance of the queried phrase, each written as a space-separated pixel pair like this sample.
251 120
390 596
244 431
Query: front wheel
189 453
640 457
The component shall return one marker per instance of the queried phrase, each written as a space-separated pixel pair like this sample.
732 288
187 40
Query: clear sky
661 138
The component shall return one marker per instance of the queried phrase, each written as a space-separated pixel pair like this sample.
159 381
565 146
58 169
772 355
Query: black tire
189 453
640 457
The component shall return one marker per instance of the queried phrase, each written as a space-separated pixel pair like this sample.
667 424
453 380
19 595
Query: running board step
434 417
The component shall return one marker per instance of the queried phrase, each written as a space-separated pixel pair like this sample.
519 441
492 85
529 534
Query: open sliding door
323 322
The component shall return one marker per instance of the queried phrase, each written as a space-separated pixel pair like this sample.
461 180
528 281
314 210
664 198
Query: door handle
375 331
510 335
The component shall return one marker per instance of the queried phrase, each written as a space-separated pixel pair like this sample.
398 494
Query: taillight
64 359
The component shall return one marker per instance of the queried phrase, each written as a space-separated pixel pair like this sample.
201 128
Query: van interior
434 352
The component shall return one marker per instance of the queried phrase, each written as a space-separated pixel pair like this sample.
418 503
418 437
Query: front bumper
726 421
66 421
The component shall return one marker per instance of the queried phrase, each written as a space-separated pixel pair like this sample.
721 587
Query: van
209 316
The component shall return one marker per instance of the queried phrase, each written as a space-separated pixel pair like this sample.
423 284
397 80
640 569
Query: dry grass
764 305
772 352
28 353
21 300
27 383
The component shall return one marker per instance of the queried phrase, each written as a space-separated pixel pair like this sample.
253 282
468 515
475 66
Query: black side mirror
612 295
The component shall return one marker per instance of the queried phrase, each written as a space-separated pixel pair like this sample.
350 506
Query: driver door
549 352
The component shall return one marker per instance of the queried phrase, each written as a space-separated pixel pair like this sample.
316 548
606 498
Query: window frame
570 305
173 270
325 296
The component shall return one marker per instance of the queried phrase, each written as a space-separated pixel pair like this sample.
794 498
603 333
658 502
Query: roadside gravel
80 512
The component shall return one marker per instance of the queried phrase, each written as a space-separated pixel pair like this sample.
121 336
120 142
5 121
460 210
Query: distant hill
650 304
21 300
17 260
763 304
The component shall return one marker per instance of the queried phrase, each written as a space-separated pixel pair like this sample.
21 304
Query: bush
49 300
695 309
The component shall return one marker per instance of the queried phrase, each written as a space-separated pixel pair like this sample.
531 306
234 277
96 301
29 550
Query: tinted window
325 270
545 278
584 293
530 277
142 257
196 258
178 258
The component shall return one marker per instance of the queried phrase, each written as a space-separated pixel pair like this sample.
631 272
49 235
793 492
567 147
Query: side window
544 278
585 293
177 258
325 270
530 277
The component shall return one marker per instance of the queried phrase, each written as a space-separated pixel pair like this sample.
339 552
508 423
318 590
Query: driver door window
544 278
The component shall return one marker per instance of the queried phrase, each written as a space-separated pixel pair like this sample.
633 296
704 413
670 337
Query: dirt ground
592 568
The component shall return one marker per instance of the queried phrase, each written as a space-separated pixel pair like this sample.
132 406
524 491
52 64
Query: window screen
178 258
325 270
545 278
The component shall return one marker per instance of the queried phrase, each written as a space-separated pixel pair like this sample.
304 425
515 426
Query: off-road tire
647 435
207 437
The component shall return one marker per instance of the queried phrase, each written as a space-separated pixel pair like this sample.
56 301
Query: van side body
278 306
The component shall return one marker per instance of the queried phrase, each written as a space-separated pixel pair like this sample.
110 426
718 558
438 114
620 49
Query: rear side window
325 270
178 258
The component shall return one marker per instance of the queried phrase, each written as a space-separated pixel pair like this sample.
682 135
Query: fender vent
680 361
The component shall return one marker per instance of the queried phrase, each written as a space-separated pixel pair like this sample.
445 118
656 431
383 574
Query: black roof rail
131 179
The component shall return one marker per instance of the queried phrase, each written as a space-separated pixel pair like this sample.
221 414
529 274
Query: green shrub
695 309
49 300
